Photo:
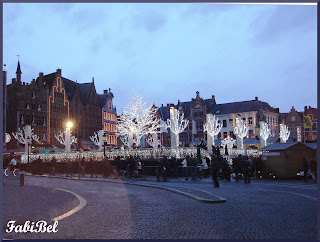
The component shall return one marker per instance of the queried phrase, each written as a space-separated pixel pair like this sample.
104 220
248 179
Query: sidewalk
34 203
171 185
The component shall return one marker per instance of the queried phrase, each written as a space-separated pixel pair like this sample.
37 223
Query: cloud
283 20
150 20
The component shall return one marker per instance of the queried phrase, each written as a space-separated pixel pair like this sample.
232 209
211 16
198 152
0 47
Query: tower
18 72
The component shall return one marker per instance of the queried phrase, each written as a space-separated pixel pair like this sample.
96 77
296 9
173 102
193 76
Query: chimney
14 80
109 89
213 99
256 99
105 91
59 72
305 108
309 107
162 105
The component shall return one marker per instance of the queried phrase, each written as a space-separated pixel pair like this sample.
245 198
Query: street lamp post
104 144
28 145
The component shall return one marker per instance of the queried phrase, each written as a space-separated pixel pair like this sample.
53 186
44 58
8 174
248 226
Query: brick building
298 121
48 102
195 111
109 117
311 133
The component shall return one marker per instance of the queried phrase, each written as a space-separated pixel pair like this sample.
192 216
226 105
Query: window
219 136
225 134
232 135
224 123
28 119
250 120
293 118
110 105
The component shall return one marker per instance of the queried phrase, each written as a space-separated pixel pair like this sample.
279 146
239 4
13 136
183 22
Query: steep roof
221 109
70 86
18 68
281 146
84 91
239 107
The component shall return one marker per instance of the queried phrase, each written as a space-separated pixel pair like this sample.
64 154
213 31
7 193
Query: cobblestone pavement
260 210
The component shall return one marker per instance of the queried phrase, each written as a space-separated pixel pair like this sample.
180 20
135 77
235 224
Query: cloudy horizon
167 52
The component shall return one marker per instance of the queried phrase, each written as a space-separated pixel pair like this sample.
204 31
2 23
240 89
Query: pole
79 165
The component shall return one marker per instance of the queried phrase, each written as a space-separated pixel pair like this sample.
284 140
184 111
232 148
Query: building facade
48 102
302 125
252 112
109 117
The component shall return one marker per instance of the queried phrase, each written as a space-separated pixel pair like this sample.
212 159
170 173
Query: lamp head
69 124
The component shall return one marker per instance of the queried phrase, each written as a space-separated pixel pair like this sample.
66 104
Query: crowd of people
215 166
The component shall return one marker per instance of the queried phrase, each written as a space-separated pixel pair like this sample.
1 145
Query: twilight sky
168 52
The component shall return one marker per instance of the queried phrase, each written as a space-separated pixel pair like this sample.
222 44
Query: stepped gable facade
195 111
49 101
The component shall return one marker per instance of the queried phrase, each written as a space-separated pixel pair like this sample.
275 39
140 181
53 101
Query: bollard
21 180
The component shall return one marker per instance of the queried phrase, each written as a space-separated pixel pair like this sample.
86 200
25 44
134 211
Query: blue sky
168 52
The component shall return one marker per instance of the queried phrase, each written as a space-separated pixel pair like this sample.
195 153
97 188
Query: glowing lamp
69 124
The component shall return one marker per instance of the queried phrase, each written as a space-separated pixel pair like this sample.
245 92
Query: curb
199 199
81 205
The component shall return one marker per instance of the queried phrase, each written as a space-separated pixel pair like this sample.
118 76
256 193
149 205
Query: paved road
260 210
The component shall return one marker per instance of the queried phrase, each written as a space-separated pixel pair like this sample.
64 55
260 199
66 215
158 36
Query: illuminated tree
177 124
240 131
213 127
22 136
284 133
137 120
8 138
264 133
64 137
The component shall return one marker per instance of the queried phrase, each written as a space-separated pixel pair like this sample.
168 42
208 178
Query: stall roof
311 145
280 146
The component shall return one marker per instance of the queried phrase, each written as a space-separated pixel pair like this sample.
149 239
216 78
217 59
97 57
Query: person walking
237 167
313 170
92 168
185 168
305 169
214 169
53 166
246 169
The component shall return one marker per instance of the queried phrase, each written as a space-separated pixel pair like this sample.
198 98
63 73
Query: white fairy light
212 126
98 139
8 138
61 137
177 124
21 136
264 133
229 142
284 133
138 120
153 140
240 131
